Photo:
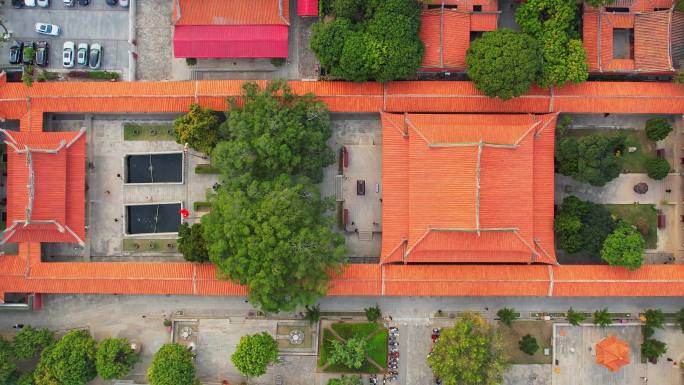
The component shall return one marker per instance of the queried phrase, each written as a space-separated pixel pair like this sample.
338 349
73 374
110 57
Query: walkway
618 191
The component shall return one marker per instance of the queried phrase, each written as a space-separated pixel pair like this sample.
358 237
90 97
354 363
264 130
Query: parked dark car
17 3
112 2
16 52
43 54
27 55
83 2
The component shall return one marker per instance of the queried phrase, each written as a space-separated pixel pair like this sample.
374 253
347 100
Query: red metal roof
230 41
307 7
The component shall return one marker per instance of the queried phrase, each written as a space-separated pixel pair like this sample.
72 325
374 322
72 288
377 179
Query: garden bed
634 162
149 132
541 330
376 335
146 245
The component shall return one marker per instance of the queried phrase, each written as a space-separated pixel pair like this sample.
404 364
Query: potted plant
168 324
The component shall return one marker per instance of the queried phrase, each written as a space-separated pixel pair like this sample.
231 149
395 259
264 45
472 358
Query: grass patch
206 168
377 346
149 132
541 330
643 216
634 162
146 245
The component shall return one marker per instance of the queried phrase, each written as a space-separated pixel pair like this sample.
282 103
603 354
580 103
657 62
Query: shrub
658 129
313 314
373 313
507 315
349 9
191 61
528 344
351 353
680 319
254 353
191 243
653 349
26 379
647 331
103 75
207 169
171 365
7 364
199 128
575 318
655 318
657 168
346 380
78 74
29 53
114 358
504 63
30 342
624 247
201 205
27 79
70 361
602 318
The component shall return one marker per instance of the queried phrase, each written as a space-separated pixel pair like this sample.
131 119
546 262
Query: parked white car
95 56
30 3
47 29
123 3
82 54
68 54
68 3
43 3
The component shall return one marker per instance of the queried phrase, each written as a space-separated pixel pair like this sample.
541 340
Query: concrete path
618 191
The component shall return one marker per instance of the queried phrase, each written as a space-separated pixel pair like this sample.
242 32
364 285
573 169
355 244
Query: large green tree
504 63
597 224
658 129
275 238
71 361
254 353
172 365
553 23
199 128
624 247
346 380
274 132
657 168
593 159
370 40
29 342
114 358
7 364
469 353
191 243
350 353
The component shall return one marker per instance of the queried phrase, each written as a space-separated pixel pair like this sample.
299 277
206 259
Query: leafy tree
25 379
7 365
658 129
568 232
328 40
597 225
507 315
29 342
349 9
574 317
470 353
191 243
653 349
171 365
602 318
599 3
624 247
504 63
350 353
199 128
275 132
27 78
373 313
528 344
114 358
276 238
567 156
71 361
313 313
346 380
552 23
254 353
680 319
654 318
598 162
647 331
657 168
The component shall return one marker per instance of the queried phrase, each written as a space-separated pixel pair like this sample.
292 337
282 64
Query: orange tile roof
652 40
233 12
461 205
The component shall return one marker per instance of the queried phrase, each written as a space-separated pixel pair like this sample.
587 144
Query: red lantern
184 212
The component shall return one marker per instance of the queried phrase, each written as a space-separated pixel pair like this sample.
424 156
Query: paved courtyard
95 23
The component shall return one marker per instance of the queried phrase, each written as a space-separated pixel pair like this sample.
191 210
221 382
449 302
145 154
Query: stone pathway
618 191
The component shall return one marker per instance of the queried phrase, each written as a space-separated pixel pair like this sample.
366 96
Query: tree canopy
658 129
29 342
71 361
655 318
582 226
199 128
191 243
275 238
171 365
351 353
575 317
504 63
114 358
469 353
254 353
528 345
602 318
346 380
370 40
7 364
652 349
594 159
274 132
507 315
624 247
553 24
657 168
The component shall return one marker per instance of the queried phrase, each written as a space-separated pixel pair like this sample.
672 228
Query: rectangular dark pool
153 218
154 168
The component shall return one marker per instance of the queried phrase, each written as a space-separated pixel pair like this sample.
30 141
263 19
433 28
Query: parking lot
95 23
